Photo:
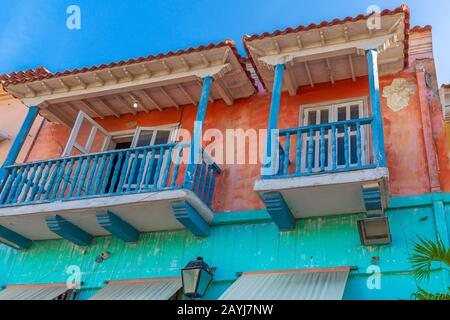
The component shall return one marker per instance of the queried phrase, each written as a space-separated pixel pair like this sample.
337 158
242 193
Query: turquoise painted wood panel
315 243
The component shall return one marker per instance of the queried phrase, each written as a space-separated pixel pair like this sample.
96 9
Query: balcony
120 192
321 170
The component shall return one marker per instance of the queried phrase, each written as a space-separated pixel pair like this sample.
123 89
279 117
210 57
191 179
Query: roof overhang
445 98
331 51
152 83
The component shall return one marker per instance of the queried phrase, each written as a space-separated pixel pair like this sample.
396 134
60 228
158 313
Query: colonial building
116 197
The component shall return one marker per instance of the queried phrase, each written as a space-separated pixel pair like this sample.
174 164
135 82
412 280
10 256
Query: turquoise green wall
252 244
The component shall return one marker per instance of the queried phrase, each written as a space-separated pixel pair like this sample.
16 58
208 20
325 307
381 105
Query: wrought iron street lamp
196 277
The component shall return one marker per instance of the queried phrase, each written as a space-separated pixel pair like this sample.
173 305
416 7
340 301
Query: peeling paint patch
398 94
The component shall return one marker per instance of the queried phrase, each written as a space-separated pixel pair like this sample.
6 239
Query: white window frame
71 143
174 130
332 107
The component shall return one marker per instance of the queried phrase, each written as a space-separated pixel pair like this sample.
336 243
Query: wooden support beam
96 76
117 227
113 76
299 42
88 106
149 97
139 102
322 38
226 56
128 74
205 60
167 95
80 81
46 87
224 92
186 65
330 70
352 69
308 73
13 239
61 118
188 216
33 92
257 51
68 231
186 94
166 67
276 46
147 70
127 104
108 107
346 35
290 81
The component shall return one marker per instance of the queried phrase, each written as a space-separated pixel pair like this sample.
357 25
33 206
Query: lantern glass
190 281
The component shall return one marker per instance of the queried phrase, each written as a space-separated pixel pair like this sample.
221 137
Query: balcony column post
18 142
196 144
273 117
379 152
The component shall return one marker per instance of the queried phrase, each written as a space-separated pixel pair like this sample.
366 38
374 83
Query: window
86 137
151 136
329 114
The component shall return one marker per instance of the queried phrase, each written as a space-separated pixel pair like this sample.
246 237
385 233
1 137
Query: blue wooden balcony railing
324 148
119 172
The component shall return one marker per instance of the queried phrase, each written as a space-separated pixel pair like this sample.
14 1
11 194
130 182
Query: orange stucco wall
405 148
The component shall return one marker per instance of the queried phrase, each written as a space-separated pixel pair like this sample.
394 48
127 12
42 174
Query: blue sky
34 33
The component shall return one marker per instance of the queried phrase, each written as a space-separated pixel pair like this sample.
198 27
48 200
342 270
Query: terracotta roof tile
41 73
426 28
402 9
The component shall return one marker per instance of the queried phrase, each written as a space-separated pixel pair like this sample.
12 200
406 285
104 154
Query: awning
145 289
33 292
314 284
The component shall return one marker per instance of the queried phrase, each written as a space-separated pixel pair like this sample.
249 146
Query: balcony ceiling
154 83
330 51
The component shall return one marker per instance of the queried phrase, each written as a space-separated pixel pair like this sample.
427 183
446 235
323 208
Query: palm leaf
425 252
424 295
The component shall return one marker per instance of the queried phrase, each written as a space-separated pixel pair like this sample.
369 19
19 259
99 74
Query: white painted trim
109 202
381 43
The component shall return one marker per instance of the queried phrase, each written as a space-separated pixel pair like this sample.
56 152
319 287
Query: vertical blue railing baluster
7 189
108 172
346 147
298 161
134 163
141 170
67 178
211 189
310 150
333 147
29 183
205 190
99 175
196 176
44 180
322 149
83 176
358 144
158 168
52 180
148 176
112 187
76 176
37 183
23 178
58 180
91 176
177 166
287 153
167 168
198 186
123 174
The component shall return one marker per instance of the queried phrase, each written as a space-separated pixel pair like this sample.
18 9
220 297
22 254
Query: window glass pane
354 112
353 150
83 134
340 152
324 116
145 138
312 118
342 113
162 137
